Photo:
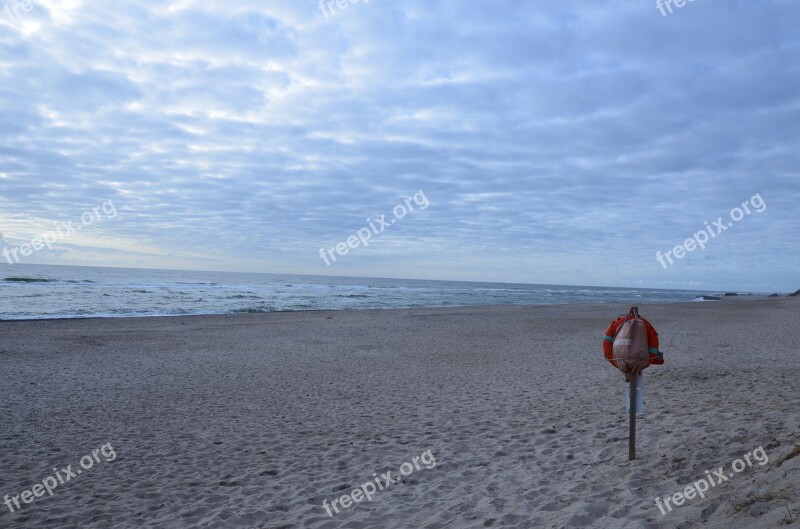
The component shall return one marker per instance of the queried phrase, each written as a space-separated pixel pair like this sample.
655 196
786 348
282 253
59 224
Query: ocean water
37 291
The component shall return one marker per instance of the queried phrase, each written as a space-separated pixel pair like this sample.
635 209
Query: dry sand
252 421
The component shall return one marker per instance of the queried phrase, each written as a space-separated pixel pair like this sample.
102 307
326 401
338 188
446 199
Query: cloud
557 142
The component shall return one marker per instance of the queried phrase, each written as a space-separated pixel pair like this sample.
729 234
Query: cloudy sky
554 142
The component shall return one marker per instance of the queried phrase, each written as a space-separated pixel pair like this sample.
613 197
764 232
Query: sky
567 142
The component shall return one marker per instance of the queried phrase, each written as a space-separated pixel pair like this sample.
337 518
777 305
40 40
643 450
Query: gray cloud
557 143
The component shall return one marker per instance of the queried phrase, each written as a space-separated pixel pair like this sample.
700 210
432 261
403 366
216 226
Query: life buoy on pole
625 343
656 356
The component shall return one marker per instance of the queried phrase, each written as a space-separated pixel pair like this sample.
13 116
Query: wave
253 310
706 298
29 280
15 279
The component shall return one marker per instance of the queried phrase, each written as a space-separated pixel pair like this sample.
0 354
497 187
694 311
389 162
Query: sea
41 291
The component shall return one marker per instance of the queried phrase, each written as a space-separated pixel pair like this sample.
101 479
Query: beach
512 413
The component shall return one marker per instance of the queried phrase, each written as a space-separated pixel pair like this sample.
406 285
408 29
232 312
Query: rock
795 294
731 294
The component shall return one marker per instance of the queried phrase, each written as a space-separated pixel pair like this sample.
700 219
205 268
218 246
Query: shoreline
358 310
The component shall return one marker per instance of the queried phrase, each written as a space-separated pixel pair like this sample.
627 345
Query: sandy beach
513 416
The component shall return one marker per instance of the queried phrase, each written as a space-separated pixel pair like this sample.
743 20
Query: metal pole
632 433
